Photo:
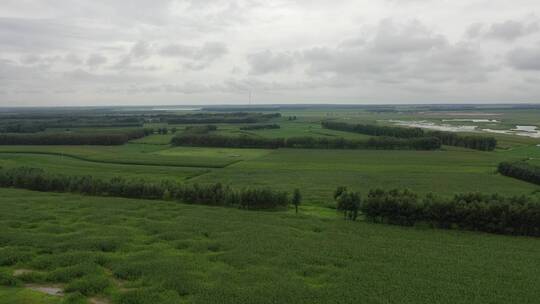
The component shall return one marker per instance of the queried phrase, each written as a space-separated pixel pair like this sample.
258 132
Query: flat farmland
137 251
319 172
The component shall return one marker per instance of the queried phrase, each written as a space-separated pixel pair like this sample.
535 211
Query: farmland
118 250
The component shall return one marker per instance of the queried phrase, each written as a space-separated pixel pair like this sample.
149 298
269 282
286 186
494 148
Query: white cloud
187 51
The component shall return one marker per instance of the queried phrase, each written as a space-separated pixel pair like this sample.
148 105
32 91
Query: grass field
135 251
126 251
72 166
131 154
316 172
319 172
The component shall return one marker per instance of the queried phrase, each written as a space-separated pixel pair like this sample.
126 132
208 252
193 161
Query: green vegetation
216 194
261 127
165 252
71 138
245 141
133 154
483 143
521 170
182 247
518 215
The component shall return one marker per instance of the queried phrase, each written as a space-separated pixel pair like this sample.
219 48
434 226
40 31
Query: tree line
518 215
103 139
483 143
212 118
207 194
245 141
260 127
520 170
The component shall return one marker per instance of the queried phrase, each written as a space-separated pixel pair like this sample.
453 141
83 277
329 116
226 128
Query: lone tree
296 199
348 203
339 191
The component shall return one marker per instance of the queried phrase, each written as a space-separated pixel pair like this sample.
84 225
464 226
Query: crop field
96 250
136 251
131 154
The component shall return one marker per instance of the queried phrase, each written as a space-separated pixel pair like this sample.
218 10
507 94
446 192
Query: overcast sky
104 52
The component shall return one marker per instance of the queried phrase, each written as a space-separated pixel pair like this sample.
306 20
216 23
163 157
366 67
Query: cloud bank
286 51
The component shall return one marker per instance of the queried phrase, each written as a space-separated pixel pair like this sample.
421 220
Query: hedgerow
518 215
208 194
244 141
521 170
72 138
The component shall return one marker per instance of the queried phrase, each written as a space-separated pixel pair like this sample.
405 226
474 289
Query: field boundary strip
122 162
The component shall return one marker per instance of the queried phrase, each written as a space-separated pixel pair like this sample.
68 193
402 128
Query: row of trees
22 127
244 141
521 170
211 118
200 129
473 211
484 143
260 127
374 130
208 194
347 202
73 138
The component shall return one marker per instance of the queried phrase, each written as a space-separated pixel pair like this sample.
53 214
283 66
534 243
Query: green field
127 251
131 154
162 252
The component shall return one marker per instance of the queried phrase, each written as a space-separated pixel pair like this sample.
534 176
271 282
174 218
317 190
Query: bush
89 285
8 280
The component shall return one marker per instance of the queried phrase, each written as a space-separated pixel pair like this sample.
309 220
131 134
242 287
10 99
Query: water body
176 109
473 120
528 131
424 124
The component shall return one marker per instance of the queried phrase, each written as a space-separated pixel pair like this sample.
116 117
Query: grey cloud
401 53
268 62
73 59
208 51
527 59
95 60
511 30
410 37
82 76
140 49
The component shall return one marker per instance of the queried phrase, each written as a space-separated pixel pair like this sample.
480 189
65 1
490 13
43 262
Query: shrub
7 279
89 285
